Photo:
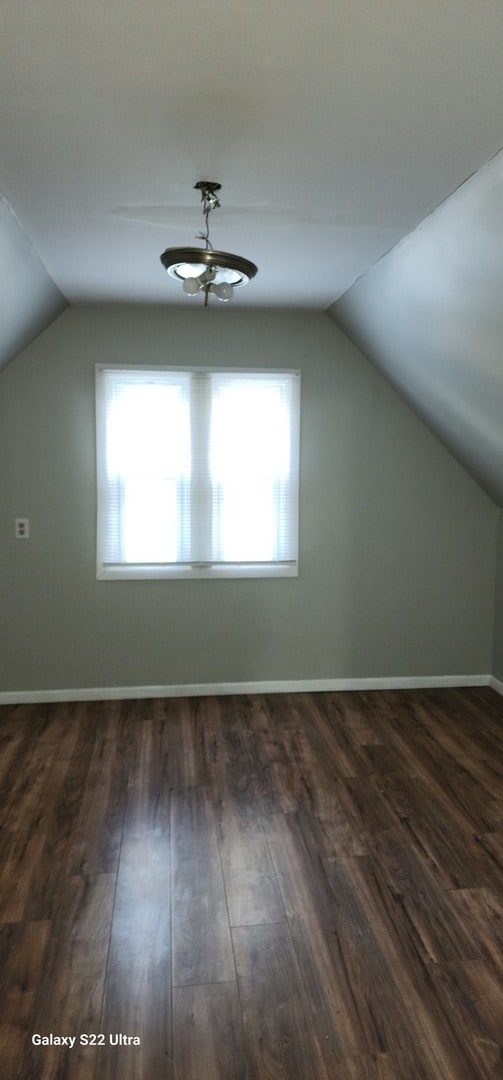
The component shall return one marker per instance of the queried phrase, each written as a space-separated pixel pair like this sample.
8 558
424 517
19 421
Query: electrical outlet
22 528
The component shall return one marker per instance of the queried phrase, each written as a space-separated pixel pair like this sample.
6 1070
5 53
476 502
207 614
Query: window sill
156 572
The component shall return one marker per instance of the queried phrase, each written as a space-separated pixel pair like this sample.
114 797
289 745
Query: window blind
197 472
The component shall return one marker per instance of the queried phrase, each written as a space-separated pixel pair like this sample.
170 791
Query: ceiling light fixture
203 269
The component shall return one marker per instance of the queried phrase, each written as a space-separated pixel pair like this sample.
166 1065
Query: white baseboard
282 686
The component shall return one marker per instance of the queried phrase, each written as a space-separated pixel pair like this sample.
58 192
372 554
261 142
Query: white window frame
117 571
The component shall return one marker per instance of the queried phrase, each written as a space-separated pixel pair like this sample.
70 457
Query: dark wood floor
293 887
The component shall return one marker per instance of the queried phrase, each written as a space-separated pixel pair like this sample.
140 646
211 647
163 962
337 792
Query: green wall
497 668
398 544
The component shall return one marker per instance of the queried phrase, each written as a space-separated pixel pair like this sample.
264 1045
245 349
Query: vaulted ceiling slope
29 299
430 315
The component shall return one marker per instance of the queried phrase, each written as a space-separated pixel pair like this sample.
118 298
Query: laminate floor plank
273 748
434 825
328 827
480 912
469 996
464 749
452 854
361 798
201 942
70 992
476 704
183 736
23 950
138 983
300 871
207 1033
443 945
56 856
251 885
374 1067
281 1043
473 728
227 744
490 851
317 770
336 741
339 1005
30 786
283 886
147 808
398 993
433 925
12 756
25 859
456 787
272 724
97 833
361 715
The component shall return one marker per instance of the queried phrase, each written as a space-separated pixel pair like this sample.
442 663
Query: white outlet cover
22 528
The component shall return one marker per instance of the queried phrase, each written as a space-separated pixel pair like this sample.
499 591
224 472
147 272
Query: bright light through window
148 458
197 473
249 467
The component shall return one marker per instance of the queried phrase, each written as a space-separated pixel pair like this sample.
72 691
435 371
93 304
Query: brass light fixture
215 273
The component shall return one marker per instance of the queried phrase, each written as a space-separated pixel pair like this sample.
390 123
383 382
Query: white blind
197 472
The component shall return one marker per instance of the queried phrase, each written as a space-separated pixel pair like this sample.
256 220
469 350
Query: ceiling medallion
215 273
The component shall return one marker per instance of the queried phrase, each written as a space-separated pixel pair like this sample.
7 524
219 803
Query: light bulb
191 286
223 291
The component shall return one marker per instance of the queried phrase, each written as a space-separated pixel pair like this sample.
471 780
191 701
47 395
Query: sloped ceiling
430 315
29 299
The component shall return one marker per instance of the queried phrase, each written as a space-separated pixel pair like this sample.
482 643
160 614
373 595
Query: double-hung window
197 472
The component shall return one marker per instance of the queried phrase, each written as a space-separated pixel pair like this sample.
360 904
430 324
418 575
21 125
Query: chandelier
203 269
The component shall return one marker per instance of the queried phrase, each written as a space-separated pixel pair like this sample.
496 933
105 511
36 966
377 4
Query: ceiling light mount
203 269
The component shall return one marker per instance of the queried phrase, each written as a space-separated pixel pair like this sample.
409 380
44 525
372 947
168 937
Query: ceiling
334 129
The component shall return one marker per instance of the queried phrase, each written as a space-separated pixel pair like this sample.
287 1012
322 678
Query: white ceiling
334 128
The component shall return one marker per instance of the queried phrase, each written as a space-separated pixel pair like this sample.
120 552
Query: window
197 473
